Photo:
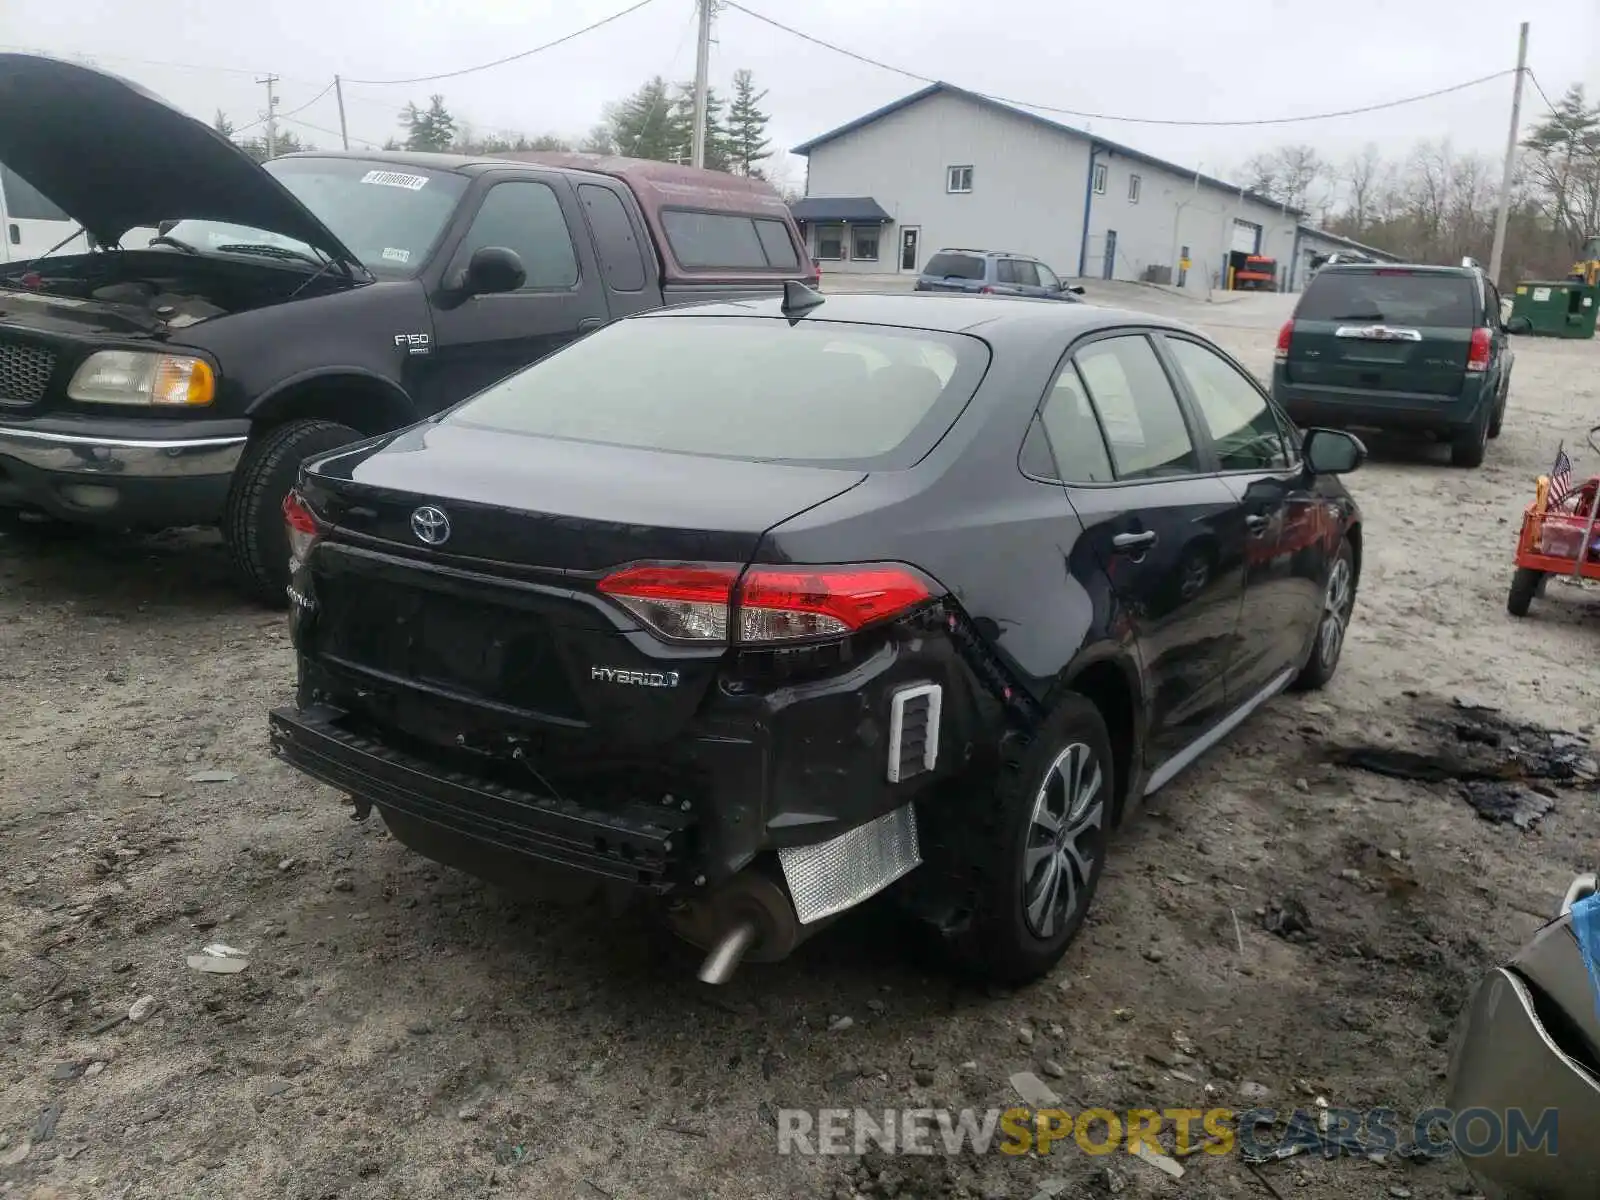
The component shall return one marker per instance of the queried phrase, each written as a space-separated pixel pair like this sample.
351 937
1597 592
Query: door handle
590 324
1133 543
16 234
1257 524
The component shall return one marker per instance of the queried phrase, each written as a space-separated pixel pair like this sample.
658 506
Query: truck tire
252 522
1019 929
1500 409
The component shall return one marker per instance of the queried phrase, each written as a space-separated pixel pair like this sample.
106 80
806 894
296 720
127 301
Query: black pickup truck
289 308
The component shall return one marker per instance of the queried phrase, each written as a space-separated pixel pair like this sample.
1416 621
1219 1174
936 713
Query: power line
370 144
616 16
1094 116
288 115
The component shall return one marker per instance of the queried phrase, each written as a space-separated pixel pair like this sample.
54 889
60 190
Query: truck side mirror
165 228
490 270
1075 288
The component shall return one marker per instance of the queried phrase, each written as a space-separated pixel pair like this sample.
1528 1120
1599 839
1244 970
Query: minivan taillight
302 527
1285 335
1478 354
696 602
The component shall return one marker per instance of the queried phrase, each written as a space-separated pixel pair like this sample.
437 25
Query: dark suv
1410 348
993 273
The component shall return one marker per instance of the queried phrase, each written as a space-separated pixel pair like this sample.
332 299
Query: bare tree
1361 177
1292 175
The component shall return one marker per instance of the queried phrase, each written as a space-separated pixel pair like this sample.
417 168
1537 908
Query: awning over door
854 210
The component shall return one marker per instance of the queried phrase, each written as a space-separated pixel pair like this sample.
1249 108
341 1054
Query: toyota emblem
430 525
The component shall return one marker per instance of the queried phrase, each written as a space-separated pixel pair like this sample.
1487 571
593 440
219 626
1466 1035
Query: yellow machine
1587 270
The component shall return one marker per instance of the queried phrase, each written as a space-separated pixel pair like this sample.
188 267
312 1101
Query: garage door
1246 237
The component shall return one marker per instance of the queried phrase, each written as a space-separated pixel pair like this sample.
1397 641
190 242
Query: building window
1133 189
1099 179
864 242
958 179
830 242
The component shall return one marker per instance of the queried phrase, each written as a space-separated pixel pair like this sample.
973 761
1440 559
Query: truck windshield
389 216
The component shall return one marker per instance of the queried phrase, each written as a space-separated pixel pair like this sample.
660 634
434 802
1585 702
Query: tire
1338 601
252 522
1468 449
1002 943
1525 585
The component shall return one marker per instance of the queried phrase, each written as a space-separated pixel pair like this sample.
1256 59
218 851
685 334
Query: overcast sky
1217 60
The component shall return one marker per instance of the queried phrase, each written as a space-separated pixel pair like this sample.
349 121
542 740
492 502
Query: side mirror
490 270
165 228
1075 288
1332 452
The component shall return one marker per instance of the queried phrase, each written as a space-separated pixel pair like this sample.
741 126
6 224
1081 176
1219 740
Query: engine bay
146 291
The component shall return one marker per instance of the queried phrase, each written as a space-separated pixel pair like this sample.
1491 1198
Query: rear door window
1239 418
1140 412
1391 297
614 236
820 392
1077 445
954 266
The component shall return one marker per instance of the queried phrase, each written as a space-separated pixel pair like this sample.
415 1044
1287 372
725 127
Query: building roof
950 89
838 208
1349 243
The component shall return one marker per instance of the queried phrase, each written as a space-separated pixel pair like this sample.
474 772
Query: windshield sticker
413 183
393 255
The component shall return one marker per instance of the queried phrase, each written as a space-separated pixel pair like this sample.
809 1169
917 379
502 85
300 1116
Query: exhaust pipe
749 917
726 955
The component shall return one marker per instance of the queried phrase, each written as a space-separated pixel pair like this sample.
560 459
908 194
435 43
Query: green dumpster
1554 308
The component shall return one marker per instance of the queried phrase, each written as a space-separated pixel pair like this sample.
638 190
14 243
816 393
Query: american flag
1560 476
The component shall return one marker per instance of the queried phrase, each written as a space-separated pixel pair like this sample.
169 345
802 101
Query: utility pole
702 64
272 114
338 91
1504 212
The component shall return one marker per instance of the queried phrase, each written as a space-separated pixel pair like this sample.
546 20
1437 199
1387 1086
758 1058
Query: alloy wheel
1065 832
1335 612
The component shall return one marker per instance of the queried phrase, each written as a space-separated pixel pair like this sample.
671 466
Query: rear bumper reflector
832 876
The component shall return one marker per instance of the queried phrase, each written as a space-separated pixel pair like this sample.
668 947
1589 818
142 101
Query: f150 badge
654 679
415 343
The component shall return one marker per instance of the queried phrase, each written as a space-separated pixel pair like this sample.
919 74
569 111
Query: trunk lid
503 616
114 157
1385 329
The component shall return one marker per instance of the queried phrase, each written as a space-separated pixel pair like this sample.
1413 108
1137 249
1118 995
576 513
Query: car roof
1368 268
991 317
984 253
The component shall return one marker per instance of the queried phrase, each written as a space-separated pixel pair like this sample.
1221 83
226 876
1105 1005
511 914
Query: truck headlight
139 377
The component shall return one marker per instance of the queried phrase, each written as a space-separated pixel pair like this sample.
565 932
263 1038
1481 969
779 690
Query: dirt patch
1277 926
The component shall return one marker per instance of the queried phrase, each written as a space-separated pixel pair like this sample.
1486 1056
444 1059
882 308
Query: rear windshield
1391 297
954 266
753 388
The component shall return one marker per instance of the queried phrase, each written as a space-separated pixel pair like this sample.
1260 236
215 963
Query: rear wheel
1034 861
252 523
1499 410
1525 586
1467 450
1338 601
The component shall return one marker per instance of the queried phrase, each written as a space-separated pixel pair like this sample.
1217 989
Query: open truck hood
114 157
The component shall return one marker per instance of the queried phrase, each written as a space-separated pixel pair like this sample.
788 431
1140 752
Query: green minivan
1418 349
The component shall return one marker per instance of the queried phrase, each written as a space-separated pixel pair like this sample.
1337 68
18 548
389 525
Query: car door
1026 276
478 340
1157 528
1049 282
1282 525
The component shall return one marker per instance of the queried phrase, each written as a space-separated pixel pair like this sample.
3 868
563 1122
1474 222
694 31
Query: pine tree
645 125
747 127
432 128
718 149
598 141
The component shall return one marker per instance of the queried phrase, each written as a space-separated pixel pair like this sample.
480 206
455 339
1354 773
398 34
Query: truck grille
25 372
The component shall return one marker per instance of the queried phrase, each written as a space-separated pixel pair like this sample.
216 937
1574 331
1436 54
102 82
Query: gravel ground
400 1030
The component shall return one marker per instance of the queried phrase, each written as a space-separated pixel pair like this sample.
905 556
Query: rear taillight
694 603
1285 335
302 527
1478 353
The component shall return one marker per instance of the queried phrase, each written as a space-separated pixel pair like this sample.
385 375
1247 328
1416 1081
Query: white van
30 225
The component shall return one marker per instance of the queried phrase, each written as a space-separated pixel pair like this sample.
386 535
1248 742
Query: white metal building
1316 244
945 167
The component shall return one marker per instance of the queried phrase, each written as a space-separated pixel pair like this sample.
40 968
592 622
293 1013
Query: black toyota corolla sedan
760 609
